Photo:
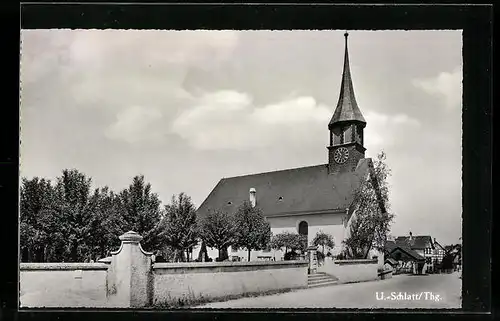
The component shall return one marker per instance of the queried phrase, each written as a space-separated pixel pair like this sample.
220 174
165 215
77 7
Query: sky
187 108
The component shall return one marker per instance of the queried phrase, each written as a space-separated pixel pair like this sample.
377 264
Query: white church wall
330 223
327 223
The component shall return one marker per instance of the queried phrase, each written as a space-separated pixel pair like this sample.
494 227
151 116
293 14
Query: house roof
391 261
347 107
389 246
300 190
438 246
416 242
406 250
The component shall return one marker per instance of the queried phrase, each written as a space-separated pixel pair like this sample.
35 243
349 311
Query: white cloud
447 85
382 130
293 111
179 47
113 68
137 124
229 120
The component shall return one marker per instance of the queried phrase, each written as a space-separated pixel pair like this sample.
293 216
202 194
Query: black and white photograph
228 169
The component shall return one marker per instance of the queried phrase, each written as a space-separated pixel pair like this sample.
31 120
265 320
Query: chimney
253 197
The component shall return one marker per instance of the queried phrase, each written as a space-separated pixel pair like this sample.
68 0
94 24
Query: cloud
230 120
447 85
175 47
383 130
113 68
137 124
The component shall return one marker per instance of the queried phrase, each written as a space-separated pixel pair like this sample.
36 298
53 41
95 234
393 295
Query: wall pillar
313 259
130 284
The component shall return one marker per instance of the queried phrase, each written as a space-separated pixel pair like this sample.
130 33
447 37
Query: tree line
68 221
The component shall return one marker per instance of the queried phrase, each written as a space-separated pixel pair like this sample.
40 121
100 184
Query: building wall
328 223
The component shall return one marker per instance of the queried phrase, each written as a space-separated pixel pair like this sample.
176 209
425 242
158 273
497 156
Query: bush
341 256
290 256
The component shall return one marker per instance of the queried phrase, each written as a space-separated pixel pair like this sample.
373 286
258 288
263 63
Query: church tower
346 127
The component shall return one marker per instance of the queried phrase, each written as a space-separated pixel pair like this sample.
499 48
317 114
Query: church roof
300 190
347 107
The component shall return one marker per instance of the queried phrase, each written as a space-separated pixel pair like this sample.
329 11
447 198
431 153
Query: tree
324 240
370 223
217 230
35 206
142 212
290 241
203 255
179 226
253 232
107 223
73 212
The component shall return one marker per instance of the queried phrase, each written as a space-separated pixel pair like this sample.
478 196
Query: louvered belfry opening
347 124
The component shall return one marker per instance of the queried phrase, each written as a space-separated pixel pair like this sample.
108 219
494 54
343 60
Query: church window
280 198
342 131
336 136
303 228
348 134
229 203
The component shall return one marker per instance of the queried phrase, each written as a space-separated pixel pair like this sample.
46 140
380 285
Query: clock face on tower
341 155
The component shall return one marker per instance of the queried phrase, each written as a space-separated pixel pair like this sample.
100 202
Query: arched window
303 228
348 134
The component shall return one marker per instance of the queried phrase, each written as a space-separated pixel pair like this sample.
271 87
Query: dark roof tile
303 190
408 251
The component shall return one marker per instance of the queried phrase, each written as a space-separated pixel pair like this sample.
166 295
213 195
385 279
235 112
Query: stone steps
320 279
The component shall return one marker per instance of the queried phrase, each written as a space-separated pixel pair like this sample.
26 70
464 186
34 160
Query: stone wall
350 271
198 282
62 284
130 279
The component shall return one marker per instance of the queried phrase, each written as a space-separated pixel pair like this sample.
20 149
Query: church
309 199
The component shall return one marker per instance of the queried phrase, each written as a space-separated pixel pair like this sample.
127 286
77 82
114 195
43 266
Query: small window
280 198
229 203
348 134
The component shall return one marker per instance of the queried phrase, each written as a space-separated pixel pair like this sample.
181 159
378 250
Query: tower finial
347 108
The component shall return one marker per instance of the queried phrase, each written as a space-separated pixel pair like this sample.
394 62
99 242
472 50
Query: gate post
313 259
130 284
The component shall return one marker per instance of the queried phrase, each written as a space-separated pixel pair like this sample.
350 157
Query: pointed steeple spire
347 108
